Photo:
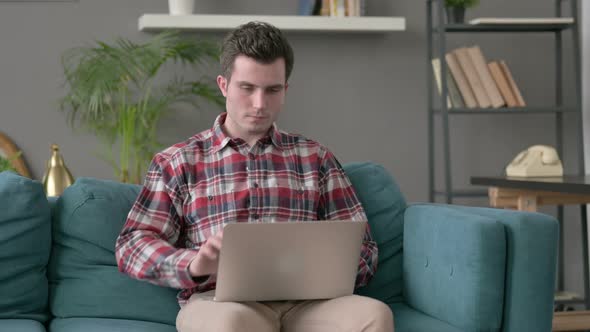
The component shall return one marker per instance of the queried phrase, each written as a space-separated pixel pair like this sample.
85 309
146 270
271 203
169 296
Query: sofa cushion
21 325
25 243
106 325
384 205
84 279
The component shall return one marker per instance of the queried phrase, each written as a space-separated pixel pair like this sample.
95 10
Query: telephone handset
537 160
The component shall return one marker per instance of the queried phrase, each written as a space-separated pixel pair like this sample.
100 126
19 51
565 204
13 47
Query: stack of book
335 8
472 82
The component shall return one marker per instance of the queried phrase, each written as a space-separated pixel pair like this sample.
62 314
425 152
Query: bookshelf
439 30
363 24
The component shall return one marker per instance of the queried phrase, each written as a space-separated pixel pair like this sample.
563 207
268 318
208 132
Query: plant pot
181 7
455 14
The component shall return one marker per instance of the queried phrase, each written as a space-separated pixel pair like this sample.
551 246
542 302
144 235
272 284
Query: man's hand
207 258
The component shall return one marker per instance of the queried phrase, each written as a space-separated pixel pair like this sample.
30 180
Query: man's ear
286 86
222 84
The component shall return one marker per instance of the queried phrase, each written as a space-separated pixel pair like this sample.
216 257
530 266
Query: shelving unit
440 29
364 24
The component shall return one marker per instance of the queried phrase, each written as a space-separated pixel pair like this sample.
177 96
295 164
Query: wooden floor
571 321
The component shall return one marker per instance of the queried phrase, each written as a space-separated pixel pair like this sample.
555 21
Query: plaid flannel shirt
195 187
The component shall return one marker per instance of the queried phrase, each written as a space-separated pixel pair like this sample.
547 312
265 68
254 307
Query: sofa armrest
453 266
532 240
503 263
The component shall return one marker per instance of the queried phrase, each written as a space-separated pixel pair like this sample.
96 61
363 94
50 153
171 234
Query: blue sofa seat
107 324
21 325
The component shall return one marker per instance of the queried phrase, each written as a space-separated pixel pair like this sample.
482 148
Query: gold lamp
57 177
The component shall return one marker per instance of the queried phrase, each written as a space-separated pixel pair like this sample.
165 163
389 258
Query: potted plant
112 93
456 9
181 7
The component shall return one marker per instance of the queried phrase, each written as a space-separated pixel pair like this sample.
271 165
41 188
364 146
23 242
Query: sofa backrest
25 243
384 205
83 274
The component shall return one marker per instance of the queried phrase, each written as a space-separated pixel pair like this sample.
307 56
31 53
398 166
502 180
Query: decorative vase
181 7
57 177
455 14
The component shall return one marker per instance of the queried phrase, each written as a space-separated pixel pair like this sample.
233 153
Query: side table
527 194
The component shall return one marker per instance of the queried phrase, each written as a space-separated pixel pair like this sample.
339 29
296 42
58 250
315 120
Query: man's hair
260 41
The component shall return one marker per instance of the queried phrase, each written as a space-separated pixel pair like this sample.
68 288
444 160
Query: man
244 169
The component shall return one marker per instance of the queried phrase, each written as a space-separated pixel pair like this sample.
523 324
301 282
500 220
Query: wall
362 95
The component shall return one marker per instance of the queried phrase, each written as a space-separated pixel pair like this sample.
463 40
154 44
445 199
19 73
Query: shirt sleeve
147 248
338 201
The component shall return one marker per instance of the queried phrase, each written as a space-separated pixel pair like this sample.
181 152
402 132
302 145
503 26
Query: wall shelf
364 24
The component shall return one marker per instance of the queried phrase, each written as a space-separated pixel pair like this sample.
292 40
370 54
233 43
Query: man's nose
259 101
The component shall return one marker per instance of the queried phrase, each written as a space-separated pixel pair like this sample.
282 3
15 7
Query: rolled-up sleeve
147 248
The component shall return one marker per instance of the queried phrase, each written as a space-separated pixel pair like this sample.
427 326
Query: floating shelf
364 24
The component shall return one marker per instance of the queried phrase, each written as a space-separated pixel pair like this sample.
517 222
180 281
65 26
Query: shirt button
255 185
247 168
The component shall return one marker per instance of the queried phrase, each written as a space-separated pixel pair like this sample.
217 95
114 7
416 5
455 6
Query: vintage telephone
537 160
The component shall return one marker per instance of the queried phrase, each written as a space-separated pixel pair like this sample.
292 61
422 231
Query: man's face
255 95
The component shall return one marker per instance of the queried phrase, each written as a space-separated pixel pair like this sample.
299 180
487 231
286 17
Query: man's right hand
207 258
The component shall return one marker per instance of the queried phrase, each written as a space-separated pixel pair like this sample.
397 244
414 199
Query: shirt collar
221 139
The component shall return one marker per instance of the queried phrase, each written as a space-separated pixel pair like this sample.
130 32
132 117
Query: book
502 84
337 8
489 85
454 98
353 8
453 91
325 8
461 81
565 295
464 59
306 7
521 20
512 83
437 79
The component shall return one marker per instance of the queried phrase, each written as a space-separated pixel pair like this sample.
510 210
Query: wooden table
527 194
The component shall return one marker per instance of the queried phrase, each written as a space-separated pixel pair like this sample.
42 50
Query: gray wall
361 95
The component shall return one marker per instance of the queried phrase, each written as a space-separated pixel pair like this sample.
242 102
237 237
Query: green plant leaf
112 92
6 163
461 3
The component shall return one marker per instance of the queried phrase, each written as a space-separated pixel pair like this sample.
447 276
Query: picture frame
8 149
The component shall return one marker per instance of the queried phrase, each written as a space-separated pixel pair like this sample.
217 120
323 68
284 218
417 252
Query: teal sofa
442 268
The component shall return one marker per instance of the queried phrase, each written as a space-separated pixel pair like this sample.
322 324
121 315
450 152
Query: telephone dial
537 160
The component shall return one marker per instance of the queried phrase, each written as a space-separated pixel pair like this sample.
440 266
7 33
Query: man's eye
274 90
246 87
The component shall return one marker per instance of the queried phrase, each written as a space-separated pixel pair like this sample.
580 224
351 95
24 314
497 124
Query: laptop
289 260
